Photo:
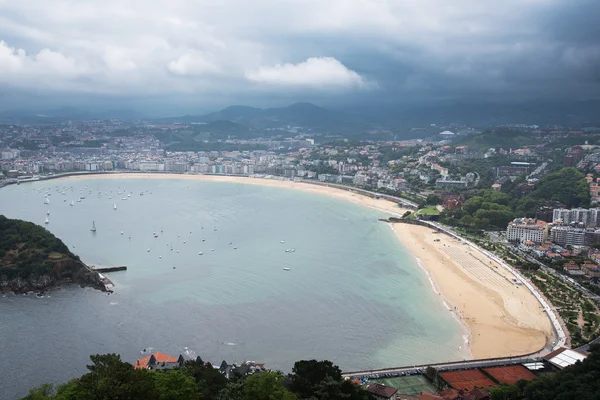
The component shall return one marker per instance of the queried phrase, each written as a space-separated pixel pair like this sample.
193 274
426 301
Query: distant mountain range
306 115
352 120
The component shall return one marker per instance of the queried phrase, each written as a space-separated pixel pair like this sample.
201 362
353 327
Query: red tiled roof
160 357
381 390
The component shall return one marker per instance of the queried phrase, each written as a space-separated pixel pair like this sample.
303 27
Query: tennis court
510 374
467 379
411 384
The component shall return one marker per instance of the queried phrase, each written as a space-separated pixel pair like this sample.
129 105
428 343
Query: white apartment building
589 217
523 229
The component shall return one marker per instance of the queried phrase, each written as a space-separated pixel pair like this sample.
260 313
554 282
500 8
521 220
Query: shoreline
504 318
499 322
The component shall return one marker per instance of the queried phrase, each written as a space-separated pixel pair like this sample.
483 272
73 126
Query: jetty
109 269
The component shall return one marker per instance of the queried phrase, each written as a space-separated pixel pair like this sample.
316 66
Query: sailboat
47 201
93 226
114 206
46 222
48 212
72 203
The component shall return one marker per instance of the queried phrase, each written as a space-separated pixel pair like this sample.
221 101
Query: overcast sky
209 53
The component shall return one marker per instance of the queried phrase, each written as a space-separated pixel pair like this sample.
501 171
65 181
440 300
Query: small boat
46 222
93 226
114 206
204 240
200 253
121 232
82 197
47 201
174 267
48 212
72 203
142 193
79 200
282 242
159 256
184 242
148 250
212 249
286 269
124 198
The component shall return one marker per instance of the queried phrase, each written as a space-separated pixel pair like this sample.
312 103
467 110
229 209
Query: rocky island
34 260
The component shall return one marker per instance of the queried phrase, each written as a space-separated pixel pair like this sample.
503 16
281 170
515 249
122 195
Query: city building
588 217
523 229
382 392
573 236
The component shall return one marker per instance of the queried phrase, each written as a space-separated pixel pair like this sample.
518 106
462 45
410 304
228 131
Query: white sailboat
93 226
46 201
72 203
48 212
114 206
46 222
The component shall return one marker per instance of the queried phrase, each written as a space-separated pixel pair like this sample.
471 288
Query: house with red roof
158 360
381 392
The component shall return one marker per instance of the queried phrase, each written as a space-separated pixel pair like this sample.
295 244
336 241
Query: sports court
467 379
411 384
510 373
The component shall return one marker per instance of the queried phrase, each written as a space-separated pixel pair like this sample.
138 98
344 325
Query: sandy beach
503 318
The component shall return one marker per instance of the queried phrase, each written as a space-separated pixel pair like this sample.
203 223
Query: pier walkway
445 366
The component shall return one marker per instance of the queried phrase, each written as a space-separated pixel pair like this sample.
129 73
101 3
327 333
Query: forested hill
33 259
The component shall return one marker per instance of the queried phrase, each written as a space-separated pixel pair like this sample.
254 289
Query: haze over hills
356 118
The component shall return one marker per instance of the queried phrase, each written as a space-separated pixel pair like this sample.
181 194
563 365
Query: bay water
352 293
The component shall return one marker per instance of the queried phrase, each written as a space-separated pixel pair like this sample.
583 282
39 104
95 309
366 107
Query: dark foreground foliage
109 378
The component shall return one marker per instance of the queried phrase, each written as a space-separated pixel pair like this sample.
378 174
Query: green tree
234 390
112 379
175 385
307 376
266 386
209 380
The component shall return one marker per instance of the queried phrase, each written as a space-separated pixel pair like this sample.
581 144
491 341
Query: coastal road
420 369
567 280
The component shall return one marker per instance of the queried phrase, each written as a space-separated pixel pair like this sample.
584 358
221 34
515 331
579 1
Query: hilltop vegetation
31 258
490 208
498 138
110 378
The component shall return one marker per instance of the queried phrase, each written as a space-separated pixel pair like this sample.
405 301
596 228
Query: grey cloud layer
336 47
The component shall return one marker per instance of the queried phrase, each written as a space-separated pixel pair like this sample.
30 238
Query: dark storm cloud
199 53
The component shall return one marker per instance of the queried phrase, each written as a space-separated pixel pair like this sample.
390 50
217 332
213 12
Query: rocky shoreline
84 277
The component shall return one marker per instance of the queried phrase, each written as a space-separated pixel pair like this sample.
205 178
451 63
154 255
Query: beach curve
503 320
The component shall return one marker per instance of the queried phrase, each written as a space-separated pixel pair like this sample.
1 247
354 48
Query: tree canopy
109 378
28 249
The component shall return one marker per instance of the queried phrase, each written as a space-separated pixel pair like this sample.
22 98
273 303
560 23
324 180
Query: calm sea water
352 294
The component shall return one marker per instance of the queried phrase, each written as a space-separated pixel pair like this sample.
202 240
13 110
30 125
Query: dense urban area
527 193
